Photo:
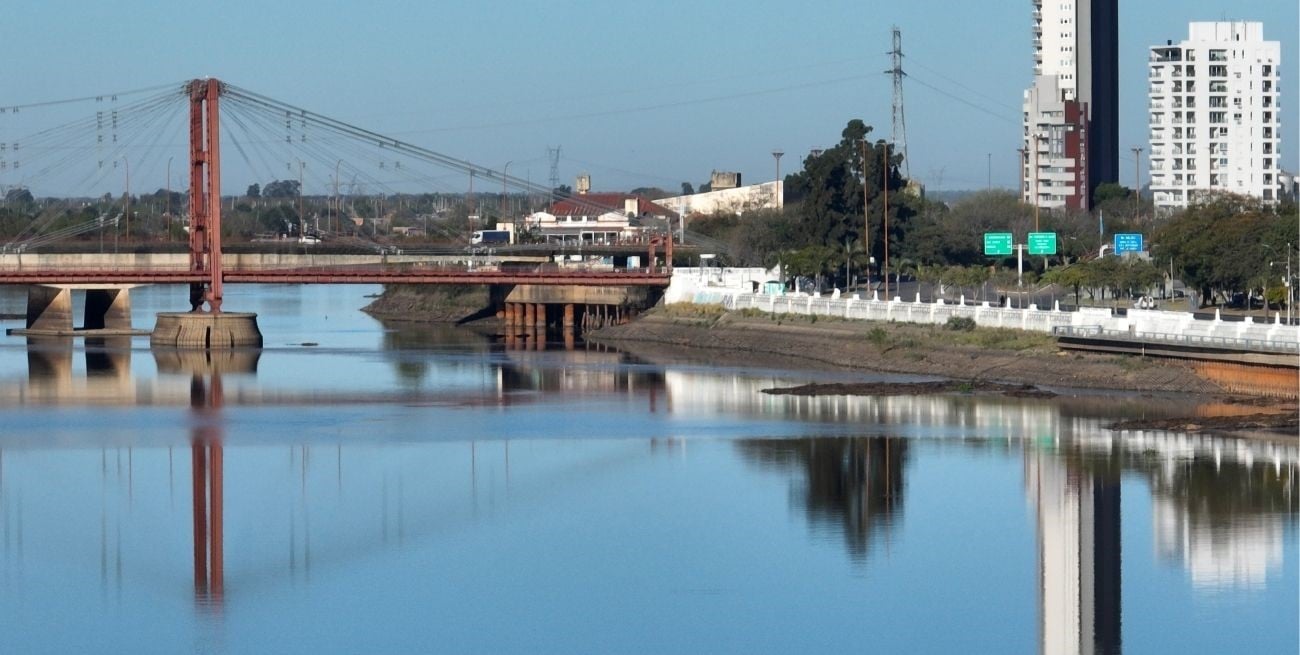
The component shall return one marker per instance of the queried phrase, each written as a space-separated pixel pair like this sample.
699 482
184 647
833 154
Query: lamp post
127 201
338 206
505 171
301 224
1020 170
169 199
1137 183
777 154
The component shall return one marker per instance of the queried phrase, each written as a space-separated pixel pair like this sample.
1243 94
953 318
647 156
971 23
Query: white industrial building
1215 114
739 200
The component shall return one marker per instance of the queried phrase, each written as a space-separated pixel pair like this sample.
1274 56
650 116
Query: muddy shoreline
992 362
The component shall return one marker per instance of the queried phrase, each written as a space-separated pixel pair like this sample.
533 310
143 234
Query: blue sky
636 93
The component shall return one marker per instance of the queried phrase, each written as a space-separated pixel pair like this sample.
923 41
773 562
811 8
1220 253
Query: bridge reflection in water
1220 507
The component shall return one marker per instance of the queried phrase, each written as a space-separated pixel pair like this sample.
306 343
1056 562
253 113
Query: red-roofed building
601 218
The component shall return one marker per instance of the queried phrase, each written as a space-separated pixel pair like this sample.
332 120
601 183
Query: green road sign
997 244
1042 243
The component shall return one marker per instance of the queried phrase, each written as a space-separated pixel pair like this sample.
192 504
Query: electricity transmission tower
554 155
900 121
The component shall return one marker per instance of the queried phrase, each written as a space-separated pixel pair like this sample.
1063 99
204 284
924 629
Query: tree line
833 229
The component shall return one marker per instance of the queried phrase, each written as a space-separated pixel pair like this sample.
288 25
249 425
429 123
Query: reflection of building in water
707 393
1223 521
1078 555
854 485
589 371
1240 553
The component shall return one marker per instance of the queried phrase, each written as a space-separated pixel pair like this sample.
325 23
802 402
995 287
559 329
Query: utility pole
866 210
1137 183
885 190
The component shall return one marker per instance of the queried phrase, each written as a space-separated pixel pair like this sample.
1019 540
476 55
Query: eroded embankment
993 355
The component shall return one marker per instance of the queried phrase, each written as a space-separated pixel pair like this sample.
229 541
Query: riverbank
818 343
431 303
979 360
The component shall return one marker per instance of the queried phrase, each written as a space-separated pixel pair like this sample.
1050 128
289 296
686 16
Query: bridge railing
1198 340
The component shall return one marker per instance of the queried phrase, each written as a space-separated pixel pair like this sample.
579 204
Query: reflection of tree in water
1220 496
1216 494
852 484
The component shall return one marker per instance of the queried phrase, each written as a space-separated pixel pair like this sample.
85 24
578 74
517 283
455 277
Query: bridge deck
342 275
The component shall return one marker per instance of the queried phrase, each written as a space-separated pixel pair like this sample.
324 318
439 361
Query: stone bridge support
530 307
49 309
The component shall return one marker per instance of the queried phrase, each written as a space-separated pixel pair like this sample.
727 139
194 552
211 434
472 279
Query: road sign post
1042 243
997 244
1128 242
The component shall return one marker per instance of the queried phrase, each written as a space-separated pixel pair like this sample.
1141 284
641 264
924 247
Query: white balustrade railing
1138 324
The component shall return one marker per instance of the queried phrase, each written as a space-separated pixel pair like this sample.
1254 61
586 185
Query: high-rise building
1215 114
1071 119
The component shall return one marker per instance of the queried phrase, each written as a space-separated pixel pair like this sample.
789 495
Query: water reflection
207 477
1223 523
853 486
1222 509
1079 554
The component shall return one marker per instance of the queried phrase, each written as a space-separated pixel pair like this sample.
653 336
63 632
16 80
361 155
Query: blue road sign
1130 242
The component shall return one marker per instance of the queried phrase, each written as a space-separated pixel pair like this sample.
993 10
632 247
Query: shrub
878 336
960 324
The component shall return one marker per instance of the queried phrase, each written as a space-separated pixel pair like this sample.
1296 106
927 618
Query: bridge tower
211 329
205 193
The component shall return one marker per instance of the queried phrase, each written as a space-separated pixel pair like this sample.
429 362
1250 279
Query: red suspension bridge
264 132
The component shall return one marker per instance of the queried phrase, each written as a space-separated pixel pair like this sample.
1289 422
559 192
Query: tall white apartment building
1071 112
1215 114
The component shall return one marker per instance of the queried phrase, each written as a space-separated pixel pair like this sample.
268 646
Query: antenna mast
900 121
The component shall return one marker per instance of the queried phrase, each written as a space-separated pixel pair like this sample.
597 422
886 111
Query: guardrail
1197 340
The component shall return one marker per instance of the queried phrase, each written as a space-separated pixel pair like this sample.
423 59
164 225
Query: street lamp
777 154
169 199
337 205
505 171
127 201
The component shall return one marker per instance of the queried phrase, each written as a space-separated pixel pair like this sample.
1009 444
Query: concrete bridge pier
209 331
108 309
49 311
49 308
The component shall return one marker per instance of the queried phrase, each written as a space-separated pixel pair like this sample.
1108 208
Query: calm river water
411 490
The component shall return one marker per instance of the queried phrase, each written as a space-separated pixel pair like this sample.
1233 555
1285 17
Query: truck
490 236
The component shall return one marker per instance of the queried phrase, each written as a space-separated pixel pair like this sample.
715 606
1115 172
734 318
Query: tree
19 196
829 192
687 189
254 191
281 189
561 192
1223 244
